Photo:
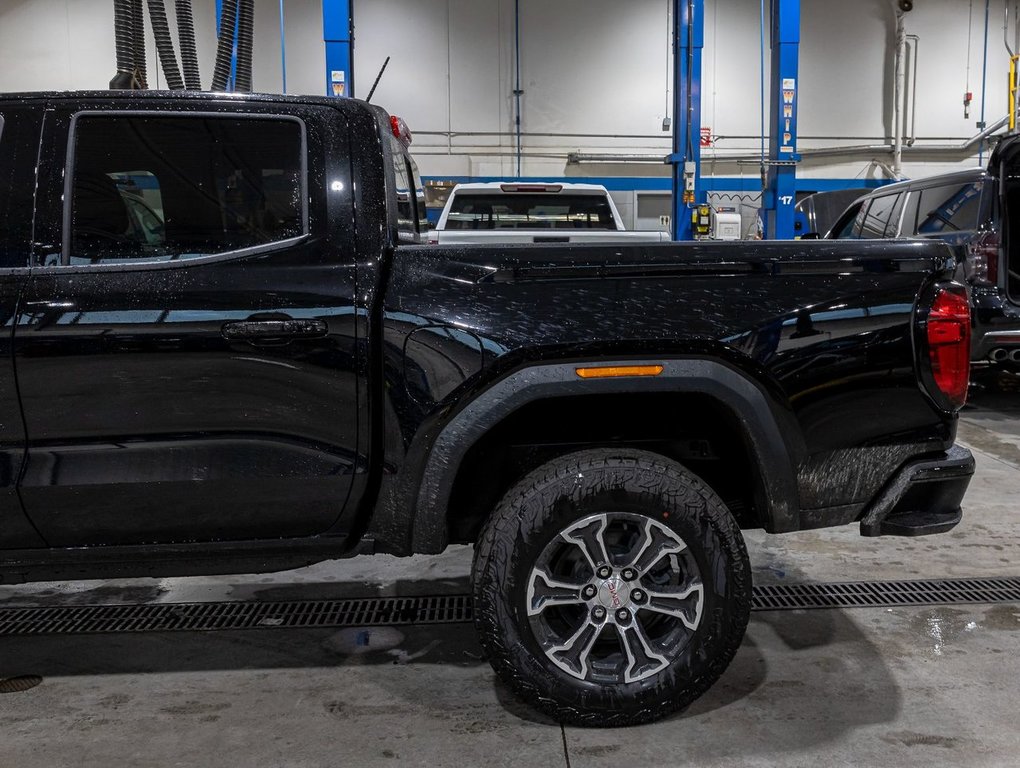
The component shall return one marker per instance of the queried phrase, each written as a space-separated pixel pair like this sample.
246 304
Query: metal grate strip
451 609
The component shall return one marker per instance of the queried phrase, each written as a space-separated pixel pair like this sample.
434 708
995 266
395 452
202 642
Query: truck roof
530 186
160 96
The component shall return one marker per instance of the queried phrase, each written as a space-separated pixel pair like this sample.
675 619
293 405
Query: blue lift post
338 35
688 41
781 190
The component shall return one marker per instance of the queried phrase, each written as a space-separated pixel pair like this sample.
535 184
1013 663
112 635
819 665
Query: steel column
338 35
780 193
688 41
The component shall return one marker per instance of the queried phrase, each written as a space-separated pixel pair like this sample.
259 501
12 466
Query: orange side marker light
618 371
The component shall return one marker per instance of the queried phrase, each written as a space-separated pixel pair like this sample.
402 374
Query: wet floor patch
1005 617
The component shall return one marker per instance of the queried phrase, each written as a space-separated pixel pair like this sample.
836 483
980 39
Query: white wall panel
594 73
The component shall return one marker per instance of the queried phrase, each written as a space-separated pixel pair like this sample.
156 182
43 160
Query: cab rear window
529 211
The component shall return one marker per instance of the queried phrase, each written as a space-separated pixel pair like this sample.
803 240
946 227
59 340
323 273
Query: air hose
245 38
189 51
138 42
130 66
165 45
225 46
122 42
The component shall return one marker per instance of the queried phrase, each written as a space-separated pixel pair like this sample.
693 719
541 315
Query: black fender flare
771 432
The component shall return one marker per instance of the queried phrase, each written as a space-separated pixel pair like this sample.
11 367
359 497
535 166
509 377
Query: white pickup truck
528 212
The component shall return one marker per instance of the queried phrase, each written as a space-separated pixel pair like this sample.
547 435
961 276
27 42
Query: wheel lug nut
623 615
588 592
637 596
629 574
604 572
599 613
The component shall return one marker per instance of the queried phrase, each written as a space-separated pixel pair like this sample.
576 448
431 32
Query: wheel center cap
614 593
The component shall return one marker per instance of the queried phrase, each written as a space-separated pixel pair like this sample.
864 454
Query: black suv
962 208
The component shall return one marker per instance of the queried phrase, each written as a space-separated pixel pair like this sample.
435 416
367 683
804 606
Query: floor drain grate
885 594
191 617
19 684
448 609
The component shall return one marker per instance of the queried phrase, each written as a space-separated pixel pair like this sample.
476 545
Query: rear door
186 349
20 126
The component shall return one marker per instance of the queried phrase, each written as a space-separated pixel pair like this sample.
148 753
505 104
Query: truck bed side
824 333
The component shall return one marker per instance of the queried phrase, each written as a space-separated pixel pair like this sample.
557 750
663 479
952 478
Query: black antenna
377 79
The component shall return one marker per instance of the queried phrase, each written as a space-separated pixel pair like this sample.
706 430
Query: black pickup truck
224 351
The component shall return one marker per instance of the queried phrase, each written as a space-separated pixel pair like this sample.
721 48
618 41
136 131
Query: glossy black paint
19 148
149 418
154 423
826 330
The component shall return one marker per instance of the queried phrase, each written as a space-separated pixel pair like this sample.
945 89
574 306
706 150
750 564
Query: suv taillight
948 332
984 258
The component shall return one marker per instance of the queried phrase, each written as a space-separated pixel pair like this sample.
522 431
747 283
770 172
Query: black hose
225 46
189 51
165 45
125 53
245 40
138 43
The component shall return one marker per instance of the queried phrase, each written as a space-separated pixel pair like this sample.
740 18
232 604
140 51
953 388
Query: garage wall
601 67
594 73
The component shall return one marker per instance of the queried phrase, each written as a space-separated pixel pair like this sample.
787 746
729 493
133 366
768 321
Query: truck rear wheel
611 587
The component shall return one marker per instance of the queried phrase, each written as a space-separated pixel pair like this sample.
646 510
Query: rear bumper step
923 498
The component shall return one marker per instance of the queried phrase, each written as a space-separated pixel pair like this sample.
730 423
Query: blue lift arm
338 35
688 41
781 191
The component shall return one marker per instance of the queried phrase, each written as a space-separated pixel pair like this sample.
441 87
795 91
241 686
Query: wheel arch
769 430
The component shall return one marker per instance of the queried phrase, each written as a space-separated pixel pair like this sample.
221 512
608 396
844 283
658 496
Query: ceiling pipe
899 80
915 46
965 147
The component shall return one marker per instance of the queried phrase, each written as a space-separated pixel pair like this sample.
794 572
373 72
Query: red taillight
949 343
984 258
400 130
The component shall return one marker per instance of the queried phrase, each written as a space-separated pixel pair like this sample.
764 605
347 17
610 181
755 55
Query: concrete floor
864 687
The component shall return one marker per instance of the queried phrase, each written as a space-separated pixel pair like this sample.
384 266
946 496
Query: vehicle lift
690 213
338 37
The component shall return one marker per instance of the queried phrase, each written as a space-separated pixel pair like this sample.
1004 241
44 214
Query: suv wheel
611 587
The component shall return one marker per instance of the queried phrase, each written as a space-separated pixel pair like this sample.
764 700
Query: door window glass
892 227
176 187
876 219
952 208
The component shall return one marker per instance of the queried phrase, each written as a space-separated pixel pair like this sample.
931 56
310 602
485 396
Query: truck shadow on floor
809 676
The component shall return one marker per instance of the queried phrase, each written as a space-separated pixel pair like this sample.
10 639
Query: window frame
148 264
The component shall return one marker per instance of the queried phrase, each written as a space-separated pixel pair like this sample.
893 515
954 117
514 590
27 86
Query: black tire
617 490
